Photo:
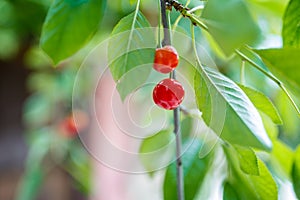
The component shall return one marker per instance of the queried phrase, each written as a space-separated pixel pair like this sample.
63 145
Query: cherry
166 59
70 128
168 94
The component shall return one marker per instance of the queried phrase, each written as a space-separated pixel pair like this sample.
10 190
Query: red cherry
70 125
69 128
168 94
166 59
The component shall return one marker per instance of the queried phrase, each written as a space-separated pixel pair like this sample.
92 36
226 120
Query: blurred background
41 156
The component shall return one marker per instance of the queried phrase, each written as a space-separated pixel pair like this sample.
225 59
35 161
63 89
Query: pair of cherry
168 93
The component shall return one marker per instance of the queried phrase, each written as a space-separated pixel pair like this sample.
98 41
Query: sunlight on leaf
66 30
131 52
211 89
291 25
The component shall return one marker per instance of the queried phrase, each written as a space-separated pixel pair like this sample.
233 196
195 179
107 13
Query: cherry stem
176 112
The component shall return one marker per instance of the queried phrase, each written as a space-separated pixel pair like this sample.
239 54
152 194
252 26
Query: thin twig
272 77
185 12
176 114
164 19
242 74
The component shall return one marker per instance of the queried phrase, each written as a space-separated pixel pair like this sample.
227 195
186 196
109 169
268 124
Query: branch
186 12
176 113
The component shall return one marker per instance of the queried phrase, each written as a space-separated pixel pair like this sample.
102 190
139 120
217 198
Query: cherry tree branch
176 112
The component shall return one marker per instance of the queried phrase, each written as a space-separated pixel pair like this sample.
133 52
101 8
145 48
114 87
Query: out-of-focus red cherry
69 127
168 94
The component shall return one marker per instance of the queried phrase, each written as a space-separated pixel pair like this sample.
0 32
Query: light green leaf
248 160
186 127
247 53
69 25
229 192
296 173
271 128
291 21
34 174
264 184
261 187
158 150
194 172
36 111
262 103
30 183
283 156
284 63
79 162
230 23
228 111
131 52
132 1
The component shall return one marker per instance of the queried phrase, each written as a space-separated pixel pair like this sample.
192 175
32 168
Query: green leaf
132 1
229 192
264 184
291 21
194 172
230 23
271 128
283 156
69 25
186 126
31 183
296 173
247 53
79 162
261 187
248 160
158 150
284 63
262 103
223 104
131 52
34 174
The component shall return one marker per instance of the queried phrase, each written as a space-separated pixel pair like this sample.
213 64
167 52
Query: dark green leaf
158 150
262 103
69 25
291 21
229 192
230 23
223 104
296 173
194 172
248 160
283 63
131 52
